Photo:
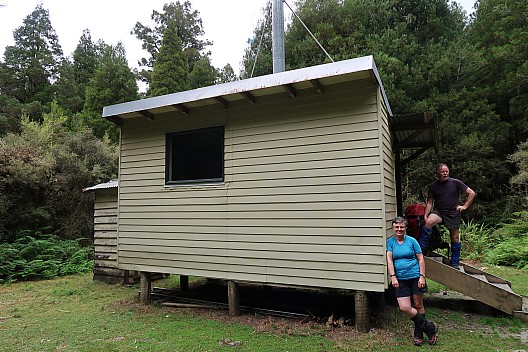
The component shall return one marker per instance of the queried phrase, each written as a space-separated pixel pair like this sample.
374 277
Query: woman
406 266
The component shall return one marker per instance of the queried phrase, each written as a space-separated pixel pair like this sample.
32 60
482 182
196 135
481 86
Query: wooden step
480 277
521 315
503 286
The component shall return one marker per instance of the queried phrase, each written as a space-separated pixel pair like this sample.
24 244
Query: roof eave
285 79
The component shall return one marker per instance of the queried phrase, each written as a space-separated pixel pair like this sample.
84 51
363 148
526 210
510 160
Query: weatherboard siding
388 172
105 238
302 202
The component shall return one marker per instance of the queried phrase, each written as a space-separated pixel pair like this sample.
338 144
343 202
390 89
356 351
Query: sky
227 23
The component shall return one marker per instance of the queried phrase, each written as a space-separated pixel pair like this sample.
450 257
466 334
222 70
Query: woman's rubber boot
425 236
455 254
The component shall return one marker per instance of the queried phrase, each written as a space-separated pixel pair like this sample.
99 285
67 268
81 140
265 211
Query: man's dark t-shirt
446 195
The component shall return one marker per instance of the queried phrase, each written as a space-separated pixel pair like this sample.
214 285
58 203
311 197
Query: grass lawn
74 313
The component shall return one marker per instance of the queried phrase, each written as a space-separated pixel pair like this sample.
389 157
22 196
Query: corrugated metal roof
410 131
109 184
413 131
250 89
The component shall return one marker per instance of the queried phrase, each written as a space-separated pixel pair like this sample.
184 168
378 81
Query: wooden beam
361 308
317 85
145 284
182 108
401 144
411 127
291 90
147 114
249 97
222 102
233 298
415 155
115 119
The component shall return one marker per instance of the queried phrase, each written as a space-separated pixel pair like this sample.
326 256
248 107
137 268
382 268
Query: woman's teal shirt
404 257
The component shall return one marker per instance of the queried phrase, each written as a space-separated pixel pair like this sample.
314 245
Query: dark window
195 156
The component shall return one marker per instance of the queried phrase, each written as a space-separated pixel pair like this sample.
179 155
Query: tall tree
68 93
500 33
171 70
29 69
226 74
112 83
85 59
188 28
34 59
203 73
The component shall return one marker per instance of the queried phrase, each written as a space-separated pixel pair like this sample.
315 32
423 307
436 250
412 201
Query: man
443 207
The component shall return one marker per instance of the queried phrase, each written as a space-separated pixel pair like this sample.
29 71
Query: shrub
512 252
505 245
43 170
476 239
42 256
510 242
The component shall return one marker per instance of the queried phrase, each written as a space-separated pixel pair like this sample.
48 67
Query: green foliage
28 71
520 180
513 251
188 28
226 74
511 242
113 82
477 239
42 256
86 58
204 74
33 61
42 172
507 244
170 73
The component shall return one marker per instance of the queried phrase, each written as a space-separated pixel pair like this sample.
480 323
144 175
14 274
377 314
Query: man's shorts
408 288
451 222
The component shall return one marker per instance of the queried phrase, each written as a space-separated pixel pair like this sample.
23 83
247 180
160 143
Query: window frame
169 160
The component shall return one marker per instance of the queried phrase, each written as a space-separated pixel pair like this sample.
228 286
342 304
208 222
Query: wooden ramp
477 284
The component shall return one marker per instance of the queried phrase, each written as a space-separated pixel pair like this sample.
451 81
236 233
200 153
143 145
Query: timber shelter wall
307 197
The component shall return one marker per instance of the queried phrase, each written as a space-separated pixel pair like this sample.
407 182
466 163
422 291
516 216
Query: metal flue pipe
277 24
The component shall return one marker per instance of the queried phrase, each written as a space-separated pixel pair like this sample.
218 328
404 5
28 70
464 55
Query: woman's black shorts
409 287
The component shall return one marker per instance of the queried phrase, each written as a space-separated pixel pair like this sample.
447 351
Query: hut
105 235
285 179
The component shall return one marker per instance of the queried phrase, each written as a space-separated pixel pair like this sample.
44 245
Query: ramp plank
469 285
